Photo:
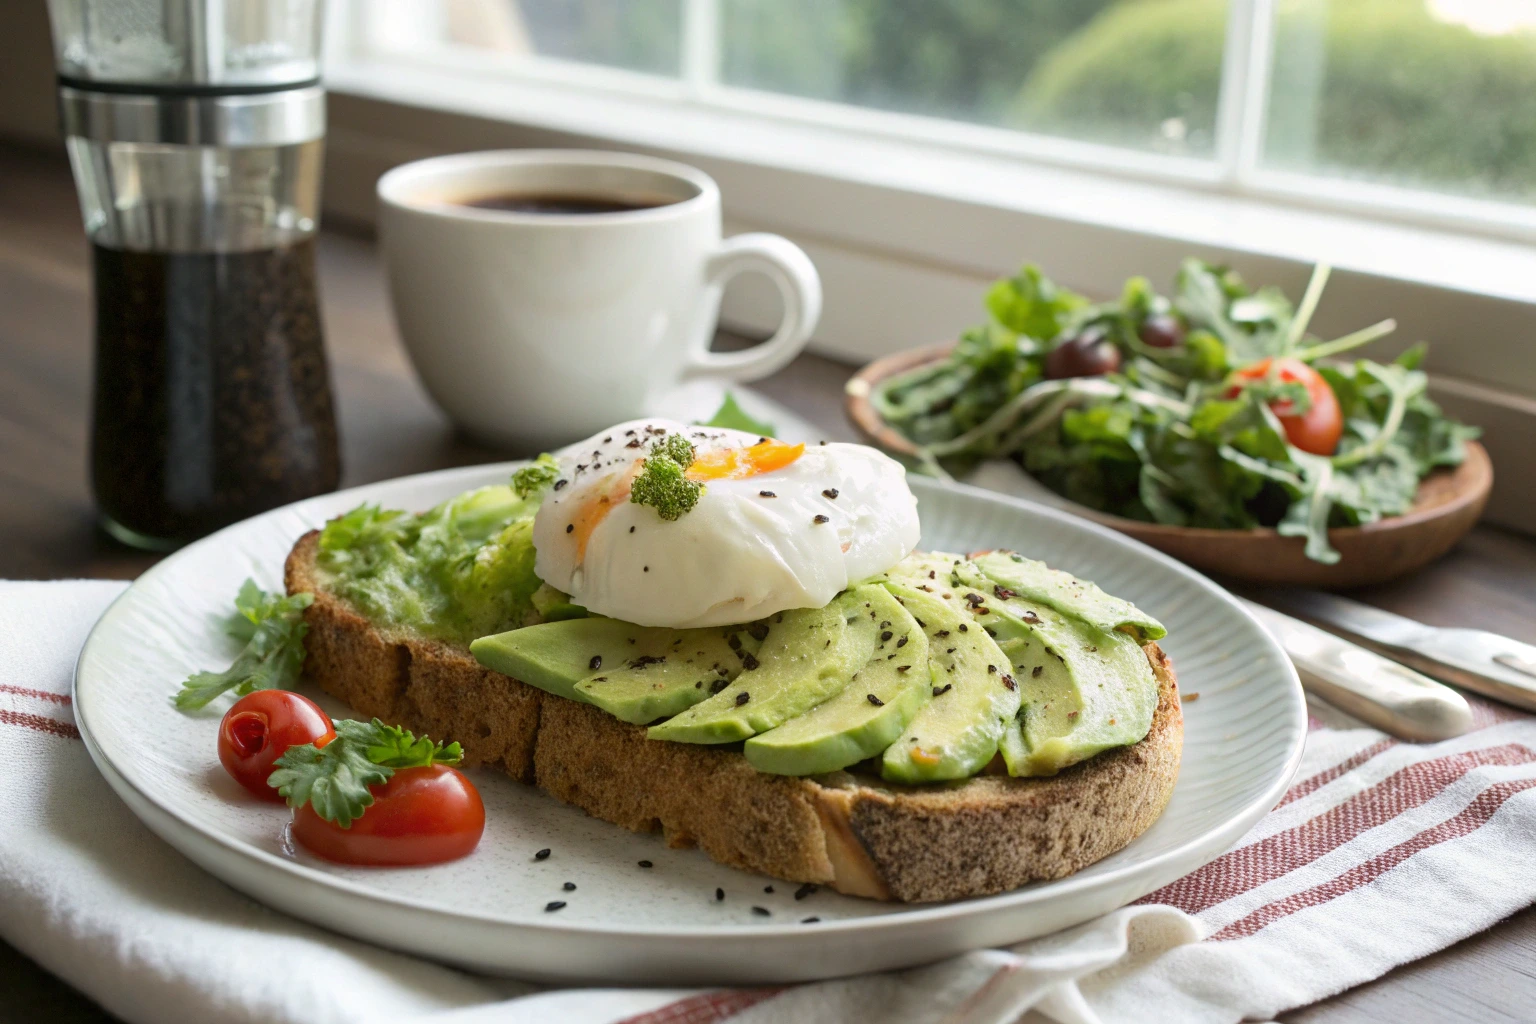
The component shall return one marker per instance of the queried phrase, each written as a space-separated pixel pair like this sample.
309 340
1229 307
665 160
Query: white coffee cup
533 329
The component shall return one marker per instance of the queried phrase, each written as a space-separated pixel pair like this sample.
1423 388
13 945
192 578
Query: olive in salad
1210 407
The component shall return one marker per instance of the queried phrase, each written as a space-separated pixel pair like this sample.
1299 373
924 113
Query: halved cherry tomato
419 816
1319 428
260 727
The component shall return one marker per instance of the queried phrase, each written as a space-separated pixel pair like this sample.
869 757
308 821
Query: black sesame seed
876 701
646 864
886 635
742 698
903 668
810 920
631 529
942 632
570 527
808 889
645 568
902 642
762 911
719 895
560 483
553 905
766 494
569 887
991 670
964 628
830 492
596 662
542 854
821 519
768 889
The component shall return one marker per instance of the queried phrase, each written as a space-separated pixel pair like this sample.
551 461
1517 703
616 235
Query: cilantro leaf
273 628
395 747
732 416
336 779
536 477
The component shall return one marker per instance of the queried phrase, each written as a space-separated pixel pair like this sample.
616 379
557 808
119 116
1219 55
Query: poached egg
777 526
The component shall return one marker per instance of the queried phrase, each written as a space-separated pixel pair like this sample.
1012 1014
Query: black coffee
550 203
213 401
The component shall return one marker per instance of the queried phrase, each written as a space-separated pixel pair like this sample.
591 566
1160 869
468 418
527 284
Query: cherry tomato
419 816
1090 354
1319 428
1162 330
260 727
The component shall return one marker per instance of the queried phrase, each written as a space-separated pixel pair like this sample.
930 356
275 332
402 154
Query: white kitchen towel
1381 853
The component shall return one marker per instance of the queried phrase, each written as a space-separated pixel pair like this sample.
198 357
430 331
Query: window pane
1436 94
638 35
1141 73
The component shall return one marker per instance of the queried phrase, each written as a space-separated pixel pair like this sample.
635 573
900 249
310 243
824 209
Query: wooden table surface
389 428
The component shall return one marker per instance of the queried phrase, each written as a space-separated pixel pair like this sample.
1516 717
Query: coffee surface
564 204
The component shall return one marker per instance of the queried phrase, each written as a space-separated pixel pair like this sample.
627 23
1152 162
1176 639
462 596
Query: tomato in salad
1319 427
423 815
260 728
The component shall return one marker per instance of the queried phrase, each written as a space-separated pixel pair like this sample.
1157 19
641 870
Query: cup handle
800 288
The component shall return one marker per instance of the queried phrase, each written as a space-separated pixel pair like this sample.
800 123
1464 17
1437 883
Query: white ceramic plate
624 923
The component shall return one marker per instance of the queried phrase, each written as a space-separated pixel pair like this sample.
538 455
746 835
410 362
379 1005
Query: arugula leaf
732 416
336 779
1031 304
272 627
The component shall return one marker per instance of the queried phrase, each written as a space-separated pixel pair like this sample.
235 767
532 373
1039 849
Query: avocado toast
917 821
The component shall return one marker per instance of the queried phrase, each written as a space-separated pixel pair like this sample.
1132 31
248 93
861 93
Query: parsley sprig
335 779
272 627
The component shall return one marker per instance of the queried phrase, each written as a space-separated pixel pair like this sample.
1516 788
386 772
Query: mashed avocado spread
459 571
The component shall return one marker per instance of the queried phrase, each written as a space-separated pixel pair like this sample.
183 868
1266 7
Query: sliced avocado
1084 689
974 696
809 655
1037 582
629 671
554 605
869 713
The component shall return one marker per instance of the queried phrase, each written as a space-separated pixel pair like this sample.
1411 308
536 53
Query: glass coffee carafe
195 132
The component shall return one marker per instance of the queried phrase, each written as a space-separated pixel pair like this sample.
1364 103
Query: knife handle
1374 689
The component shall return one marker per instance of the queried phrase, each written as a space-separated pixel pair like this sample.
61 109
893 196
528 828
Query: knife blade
1475 659
1374 689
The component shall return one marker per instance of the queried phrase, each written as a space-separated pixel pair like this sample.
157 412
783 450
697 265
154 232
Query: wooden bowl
1447 505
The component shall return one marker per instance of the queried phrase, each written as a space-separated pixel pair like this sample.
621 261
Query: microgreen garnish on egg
662 483
536 476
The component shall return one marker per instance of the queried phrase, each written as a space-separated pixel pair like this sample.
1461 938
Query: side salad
1212 407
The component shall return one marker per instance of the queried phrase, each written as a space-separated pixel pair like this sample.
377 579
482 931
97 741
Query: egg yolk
722 464
738 463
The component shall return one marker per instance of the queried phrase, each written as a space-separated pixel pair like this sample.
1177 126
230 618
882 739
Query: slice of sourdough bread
854 833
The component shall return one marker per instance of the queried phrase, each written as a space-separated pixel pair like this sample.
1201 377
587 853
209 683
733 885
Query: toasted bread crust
854 833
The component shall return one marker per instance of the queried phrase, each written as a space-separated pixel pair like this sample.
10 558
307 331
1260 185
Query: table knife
1374 689
1475 659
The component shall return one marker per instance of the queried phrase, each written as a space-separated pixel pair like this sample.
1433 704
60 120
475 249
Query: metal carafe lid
202 46
227 73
